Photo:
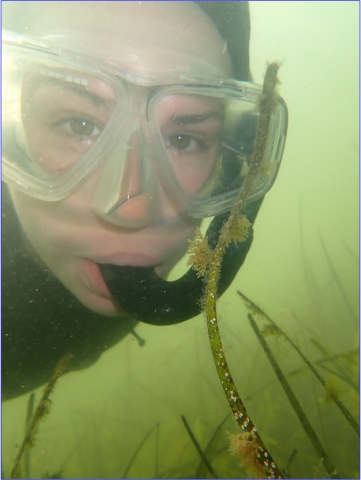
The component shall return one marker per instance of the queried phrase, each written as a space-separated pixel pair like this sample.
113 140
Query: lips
96 280
95 277
128 259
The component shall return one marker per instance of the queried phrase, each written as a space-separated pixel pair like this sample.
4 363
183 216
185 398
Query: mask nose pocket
126 193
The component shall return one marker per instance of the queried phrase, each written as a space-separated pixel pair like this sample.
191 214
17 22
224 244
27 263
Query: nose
126 193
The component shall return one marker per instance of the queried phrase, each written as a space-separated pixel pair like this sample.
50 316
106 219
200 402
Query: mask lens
63 117
208 141
191 131
53 116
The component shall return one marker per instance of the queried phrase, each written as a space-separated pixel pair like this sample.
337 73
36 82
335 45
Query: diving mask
66 115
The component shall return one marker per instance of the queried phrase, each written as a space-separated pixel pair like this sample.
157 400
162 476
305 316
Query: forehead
142 37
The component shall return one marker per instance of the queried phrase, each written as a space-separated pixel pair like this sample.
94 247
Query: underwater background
122 416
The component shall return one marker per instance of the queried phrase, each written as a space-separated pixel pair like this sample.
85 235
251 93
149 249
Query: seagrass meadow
159 410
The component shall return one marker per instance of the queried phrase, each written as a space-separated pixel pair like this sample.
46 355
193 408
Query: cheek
49 242
62 232
194 179
39 226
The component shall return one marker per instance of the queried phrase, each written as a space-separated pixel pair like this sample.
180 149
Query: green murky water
122 416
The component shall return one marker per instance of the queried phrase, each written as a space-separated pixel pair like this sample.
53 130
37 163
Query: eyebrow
192 119
80 90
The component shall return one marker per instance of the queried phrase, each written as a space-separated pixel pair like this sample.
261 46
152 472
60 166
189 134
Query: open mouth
147 297
96 280
96 277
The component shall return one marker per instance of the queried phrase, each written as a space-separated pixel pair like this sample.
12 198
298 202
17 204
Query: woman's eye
80 127
180 141
185 142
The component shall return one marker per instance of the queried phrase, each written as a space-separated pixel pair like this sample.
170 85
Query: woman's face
142 38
